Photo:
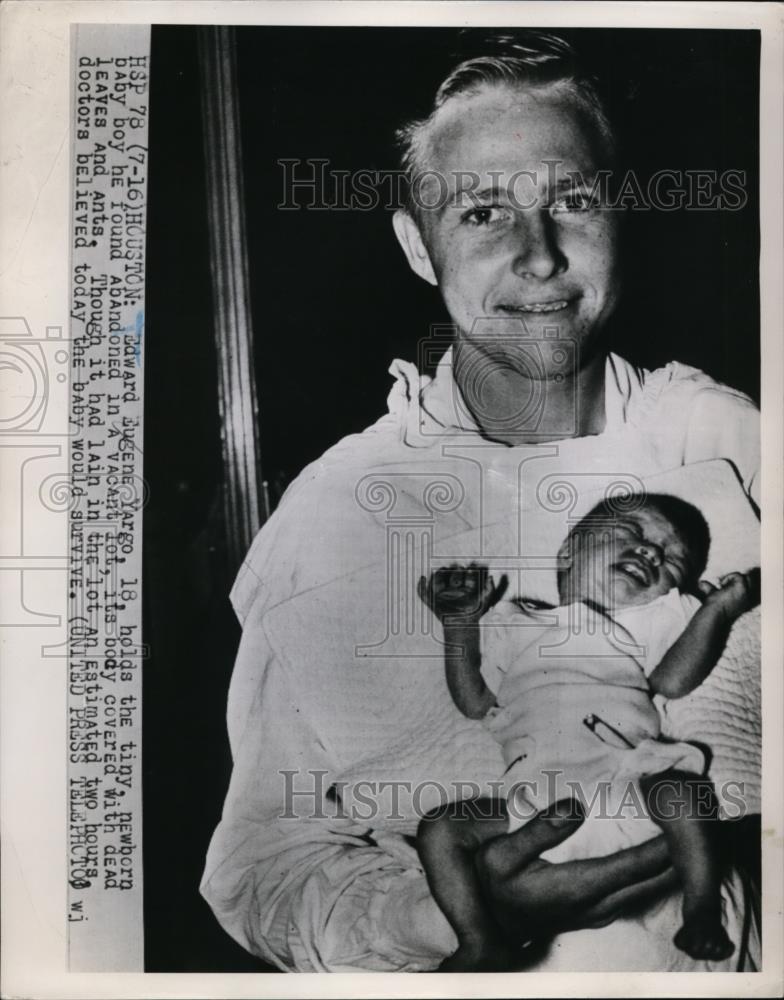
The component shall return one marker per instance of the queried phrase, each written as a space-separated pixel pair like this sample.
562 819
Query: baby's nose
651 552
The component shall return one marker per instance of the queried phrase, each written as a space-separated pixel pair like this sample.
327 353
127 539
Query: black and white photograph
615 300
423 574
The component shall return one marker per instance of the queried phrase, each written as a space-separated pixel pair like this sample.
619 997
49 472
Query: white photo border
34 283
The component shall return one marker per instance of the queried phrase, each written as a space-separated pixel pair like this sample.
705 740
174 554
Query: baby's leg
684 806
447 841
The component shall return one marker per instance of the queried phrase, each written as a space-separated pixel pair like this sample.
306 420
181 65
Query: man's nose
537 252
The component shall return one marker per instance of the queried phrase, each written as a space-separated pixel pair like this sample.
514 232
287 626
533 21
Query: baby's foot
703 936
485 957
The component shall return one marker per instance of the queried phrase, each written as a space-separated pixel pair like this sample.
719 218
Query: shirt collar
442 405
442 401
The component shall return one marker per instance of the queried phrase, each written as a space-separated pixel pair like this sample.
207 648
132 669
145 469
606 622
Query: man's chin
531 360
522 326
490 333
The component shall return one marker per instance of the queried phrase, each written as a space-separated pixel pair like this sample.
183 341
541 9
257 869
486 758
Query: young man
529 275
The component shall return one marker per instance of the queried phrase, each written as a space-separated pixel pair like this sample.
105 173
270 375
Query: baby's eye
677 570
485 215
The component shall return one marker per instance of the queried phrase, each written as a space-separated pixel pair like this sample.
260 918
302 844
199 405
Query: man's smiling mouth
554 305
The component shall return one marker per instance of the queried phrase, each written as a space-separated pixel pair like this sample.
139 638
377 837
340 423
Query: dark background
333 303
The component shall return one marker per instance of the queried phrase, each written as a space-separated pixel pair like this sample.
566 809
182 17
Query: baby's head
632 550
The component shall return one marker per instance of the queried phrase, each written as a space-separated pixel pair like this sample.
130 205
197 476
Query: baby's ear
565 553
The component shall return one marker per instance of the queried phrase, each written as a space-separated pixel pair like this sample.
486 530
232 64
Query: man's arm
723 423
297 888
697 650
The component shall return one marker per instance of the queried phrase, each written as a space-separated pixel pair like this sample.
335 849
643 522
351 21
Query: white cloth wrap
723 713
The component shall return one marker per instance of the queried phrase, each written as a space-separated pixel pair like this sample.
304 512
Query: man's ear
410 239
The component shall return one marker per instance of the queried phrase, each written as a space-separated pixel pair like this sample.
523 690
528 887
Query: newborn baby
575 698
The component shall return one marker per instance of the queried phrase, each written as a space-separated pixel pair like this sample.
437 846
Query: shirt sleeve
689 417
287 877
726 424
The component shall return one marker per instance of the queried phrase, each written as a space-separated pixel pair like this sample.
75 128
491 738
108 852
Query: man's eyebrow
577 180
464 196
491 191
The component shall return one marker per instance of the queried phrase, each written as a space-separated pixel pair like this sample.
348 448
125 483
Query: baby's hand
461 594
736 593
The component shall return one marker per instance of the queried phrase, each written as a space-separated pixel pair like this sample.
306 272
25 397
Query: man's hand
736 593
461 594
535 900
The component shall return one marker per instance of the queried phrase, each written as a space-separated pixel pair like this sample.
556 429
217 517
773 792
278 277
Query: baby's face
633 561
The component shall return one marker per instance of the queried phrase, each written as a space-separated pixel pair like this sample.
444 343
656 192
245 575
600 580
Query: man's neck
511 407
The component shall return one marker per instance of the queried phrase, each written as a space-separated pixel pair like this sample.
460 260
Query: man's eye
485 216
574 202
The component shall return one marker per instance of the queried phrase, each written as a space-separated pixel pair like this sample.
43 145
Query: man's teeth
541 307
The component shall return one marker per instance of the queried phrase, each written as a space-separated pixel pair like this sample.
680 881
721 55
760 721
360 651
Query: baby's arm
696 652
459 597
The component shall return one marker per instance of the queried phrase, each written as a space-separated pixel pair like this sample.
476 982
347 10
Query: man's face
636 559
510 249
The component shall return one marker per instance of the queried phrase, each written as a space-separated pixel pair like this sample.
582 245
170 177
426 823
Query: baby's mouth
636 570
